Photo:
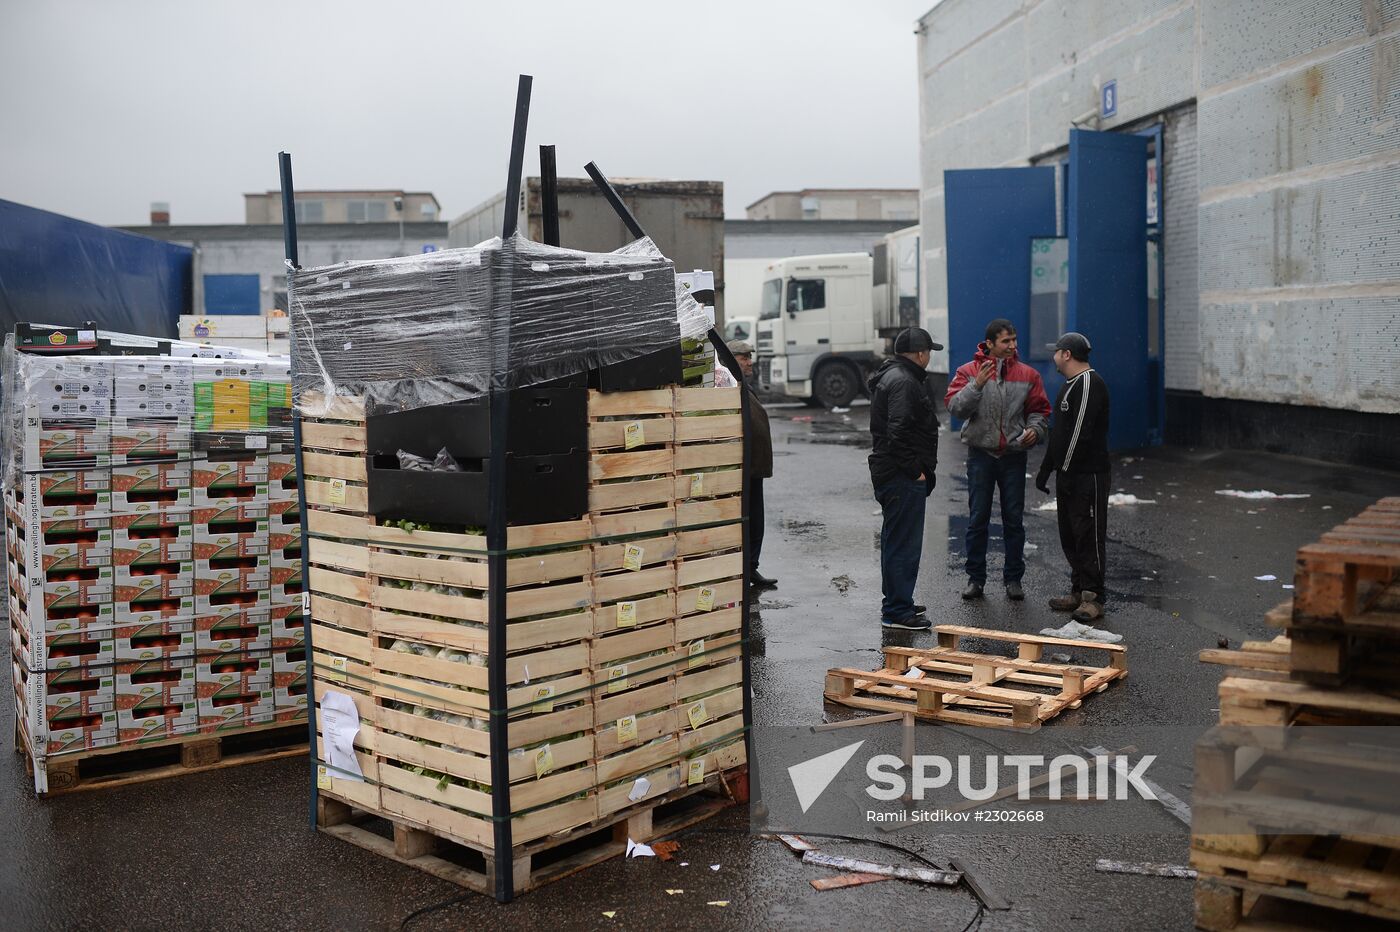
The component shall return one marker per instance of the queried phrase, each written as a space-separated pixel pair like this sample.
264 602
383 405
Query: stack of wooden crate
1288 814
623 643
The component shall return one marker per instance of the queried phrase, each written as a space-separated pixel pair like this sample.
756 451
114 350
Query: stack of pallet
1288 810
623 653
153 571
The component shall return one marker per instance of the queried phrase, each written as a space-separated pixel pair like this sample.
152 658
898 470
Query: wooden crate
979 689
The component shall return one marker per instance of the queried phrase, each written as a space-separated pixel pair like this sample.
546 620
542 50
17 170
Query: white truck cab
816 335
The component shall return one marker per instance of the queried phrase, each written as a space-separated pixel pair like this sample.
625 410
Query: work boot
973 590
1089 610
920 609
1066 603
912 623
758 580
1014 592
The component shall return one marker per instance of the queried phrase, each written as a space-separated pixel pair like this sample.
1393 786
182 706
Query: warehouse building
1262 183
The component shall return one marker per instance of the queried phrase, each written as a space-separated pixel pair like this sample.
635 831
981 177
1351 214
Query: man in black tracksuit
1078 455
904 428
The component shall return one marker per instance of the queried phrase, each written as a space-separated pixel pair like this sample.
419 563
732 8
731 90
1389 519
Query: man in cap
904 428
1078 455
760 461
1001 402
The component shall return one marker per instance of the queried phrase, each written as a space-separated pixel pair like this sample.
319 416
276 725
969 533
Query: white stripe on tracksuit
1079 420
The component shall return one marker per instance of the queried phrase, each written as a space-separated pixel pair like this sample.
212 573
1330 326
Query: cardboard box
225 541
67 378
137 440
69 591
235 691
229 471
289 557
154 636
287 586
66 494
170 580
158 483
282 477
55 435
155 699
152 368
229 503
234 630
153 397
289 679
283 524
232 594
150 517
171 543
288 626
67 651
75 544
238 574
68 615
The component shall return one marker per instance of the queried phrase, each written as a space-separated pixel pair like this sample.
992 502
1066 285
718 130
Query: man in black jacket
1078 455
904 427
760 461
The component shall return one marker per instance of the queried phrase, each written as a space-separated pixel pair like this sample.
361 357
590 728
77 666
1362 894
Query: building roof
813 192
377 192
305 231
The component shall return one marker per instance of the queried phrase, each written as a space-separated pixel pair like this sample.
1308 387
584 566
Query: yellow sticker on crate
697 714
697 485
337 492
695 772
696 652
323 777
627 729
632 556
633 435
544 699
705 599
337 671
617 679
544 761
627 614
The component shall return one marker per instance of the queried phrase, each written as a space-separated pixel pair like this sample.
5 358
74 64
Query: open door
1108 276
991 215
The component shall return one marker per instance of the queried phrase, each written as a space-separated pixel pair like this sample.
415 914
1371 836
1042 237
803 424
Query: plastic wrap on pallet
449 326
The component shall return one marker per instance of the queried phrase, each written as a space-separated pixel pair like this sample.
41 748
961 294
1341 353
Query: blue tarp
57 270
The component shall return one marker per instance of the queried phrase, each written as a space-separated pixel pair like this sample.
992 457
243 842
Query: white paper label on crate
255 442
340 723
632 556
639 790
323 777
627 729
696 653
306 601
544 761
337 492
697 485
695 772
627 614
617 679
705 599
633 435
697 714
544 699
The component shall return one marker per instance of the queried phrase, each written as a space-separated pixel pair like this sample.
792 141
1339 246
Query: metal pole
549 195
289 239
496 533
615 200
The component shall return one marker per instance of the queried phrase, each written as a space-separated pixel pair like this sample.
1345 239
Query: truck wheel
836 385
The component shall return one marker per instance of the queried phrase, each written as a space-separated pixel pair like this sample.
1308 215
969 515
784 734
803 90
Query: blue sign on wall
429 247
1108 99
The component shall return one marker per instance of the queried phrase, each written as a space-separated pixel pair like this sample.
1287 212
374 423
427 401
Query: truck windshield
772 300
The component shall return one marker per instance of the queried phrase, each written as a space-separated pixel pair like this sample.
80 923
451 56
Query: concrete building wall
418 206
1281 175
837 204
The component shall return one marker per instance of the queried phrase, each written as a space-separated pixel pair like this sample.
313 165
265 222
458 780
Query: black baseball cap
1076 343
915 340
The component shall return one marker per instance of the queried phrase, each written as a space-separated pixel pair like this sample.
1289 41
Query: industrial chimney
160 214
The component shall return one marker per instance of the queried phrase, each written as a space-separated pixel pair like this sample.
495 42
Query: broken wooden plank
989 897
847 880
1171 803
853 722
853 865
1146 868
797 843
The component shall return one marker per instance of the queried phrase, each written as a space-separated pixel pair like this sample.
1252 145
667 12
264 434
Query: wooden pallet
1363 646
1251 700
1237 903
103 768
966 688
1338 578
541 861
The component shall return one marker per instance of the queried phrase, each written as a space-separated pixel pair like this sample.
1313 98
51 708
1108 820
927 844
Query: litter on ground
1267 577
1122 498
1082 632
1260 494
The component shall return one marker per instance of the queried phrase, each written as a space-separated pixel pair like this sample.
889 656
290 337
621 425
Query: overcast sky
107 106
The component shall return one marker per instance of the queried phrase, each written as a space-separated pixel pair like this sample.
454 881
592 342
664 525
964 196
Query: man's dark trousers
755 521
1081 504
1006 476
902 502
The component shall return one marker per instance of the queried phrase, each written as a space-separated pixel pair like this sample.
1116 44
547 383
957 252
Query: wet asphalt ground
232 849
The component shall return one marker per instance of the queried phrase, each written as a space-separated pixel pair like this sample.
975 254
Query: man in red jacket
1001 402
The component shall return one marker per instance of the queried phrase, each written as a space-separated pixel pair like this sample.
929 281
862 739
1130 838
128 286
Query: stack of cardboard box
142 577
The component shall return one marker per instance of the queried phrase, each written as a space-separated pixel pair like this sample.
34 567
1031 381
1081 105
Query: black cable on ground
418 913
